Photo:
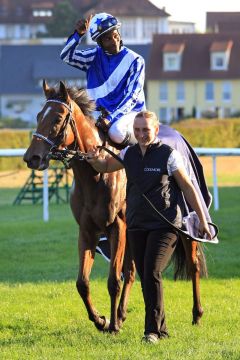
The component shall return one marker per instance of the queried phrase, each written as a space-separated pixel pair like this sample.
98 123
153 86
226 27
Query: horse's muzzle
36 162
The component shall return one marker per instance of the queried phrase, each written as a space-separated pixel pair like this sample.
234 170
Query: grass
42 316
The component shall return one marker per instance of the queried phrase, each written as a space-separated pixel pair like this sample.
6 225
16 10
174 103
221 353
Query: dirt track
13 179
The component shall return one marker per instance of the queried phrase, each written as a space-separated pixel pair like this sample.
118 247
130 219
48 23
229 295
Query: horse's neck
87 132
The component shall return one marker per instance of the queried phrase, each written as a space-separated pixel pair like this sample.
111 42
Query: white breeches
121 127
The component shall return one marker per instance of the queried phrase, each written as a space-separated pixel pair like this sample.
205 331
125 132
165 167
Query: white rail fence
212 152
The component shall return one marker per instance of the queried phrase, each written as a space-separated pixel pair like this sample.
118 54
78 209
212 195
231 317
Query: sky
195 11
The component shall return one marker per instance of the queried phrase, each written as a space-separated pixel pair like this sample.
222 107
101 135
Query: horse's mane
81 98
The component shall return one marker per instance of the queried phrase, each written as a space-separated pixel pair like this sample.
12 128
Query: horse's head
56 126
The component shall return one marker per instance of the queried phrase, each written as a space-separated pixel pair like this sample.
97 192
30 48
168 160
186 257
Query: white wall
25 107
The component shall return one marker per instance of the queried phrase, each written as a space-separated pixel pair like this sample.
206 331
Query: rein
214 240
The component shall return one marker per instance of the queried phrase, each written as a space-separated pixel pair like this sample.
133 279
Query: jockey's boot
129 140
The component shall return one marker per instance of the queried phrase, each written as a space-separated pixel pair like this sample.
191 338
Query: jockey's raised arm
115 74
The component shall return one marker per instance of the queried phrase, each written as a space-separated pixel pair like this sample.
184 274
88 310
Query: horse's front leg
129 271
86 249
194 270
117 237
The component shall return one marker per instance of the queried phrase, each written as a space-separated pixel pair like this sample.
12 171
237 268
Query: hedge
214 133
199 132
13 139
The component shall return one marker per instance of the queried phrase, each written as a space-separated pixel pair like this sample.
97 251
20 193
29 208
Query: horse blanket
194 169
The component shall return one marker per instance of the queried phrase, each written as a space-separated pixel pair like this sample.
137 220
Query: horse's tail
183 270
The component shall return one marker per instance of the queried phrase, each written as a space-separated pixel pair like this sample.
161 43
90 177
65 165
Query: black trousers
152 251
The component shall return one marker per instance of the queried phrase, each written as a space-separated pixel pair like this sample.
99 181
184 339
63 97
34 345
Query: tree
63 20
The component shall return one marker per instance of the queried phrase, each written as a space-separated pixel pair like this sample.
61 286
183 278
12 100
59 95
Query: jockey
115 74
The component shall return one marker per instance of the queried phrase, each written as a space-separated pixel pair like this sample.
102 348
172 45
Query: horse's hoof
114 331
197 317
103 325
120 323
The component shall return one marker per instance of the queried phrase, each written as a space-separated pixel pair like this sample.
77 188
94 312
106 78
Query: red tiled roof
20 11
43 5
131 8
195 62
173 48
10 12
221 46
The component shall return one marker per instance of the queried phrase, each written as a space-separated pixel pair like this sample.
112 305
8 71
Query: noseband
65 155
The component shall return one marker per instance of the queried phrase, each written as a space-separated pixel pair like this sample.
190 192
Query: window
180 95
209 91
128 29
18 106
220 53
172 56
163 91
42 13
71 82
163 114
226 112
171 62
150 27
219 61
226 91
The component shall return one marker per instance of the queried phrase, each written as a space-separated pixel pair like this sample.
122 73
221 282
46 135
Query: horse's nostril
36 158
33 162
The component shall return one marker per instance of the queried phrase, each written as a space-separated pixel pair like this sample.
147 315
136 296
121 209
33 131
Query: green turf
42 316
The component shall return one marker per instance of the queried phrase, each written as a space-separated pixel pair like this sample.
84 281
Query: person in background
115 74
157 170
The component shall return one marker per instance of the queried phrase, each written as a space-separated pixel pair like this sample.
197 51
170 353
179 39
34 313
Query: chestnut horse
65 126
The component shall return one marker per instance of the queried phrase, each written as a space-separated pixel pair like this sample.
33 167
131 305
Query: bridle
65 155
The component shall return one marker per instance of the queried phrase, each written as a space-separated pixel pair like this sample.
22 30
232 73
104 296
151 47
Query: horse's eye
58 121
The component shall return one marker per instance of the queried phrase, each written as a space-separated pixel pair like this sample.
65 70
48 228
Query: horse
65 126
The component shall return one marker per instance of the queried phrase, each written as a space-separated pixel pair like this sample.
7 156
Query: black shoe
163 335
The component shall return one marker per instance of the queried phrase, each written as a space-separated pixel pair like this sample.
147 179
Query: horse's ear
63 91
46 89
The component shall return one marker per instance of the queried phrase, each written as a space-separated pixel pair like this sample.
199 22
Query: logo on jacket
152 169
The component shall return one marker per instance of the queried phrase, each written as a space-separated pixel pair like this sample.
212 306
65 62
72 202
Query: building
220 22
24 19
181 27
27 19
140 19
25 59
194 75
23 67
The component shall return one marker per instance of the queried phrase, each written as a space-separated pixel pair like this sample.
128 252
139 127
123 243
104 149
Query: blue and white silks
114 82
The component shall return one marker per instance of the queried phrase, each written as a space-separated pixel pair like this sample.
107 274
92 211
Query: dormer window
42 9
42 13
172 57
220 54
